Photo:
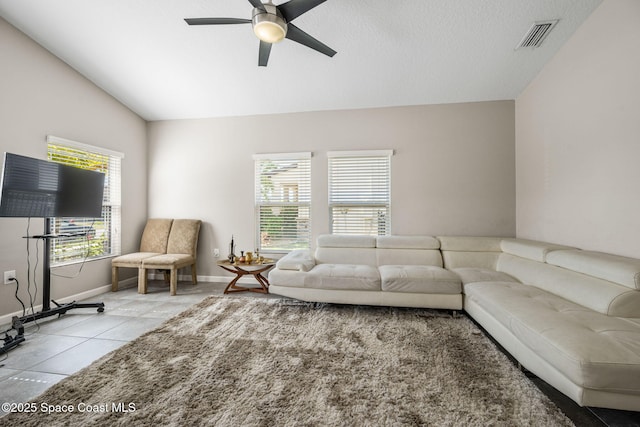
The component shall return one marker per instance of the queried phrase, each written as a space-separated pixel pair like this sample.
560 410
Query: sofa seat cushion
133 260
420 279
593 350
288 278
343 277
472 275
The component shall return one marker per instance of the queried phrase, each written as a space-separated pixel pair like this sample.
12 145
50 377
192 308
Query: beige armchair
181 252
153 242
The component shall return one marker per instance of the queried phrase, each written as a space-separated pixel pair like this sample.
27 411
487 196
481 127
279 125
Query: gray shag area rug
255 362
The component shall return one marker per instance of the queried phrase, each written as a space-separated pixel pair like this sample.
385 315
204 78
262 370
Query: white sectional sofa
571 317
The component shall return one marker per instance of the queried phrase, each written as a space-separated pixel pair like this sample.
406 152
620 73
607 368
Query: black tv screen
40 189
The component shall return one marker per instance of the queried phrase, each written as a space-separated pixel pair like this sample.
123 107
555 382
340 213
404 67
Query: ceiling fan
272 23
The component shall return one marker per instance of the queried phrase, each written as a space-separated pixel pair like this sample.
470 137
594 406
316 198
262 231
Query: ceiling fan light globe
269 32
268 24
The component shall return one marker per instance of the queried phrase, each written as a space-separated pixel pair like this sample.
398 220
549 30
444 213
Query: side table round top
254 265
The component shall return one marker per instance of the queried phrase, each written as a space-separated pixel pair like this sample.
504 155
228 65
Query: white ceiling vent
536 34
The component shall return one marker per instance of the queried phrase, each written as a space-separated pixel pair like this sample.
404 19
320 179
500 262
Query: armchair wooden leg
194 274
173 285
114 279
142 280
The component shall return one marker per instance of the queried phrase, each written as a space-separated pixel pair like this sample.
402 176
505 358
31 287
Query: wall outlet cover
8 275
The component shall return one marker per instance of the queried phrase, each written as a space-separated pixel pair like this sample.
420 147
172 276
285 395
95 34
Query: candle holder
232 251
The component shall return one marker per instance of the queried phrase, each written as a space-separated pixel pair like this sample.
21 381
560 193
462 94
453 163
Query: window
94 238
283 201
360 192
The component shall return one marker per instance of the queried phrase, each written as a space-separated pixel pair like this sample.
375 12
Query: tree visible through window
92 237
283 201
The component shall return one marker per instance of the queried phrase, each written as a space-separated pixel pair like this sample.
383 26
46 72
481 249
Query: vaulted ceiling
390 53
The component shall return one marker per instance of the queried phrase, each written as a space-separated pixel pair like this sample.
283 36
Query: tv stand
17 323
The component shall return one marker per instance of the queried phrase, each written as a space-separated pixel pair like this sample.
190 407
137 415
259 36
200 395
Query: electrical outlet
8 275
216 253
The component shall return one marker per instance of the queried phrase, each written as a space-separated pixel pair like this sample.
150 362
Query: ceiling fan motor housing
268 24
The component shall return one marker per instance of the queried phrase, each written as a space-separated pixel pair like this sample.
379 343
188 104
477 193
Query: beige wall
453 171
41 95
578 138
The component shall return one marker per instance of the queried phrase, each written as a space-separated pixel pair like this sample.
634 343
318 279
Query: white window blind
360 192
92 238
283 201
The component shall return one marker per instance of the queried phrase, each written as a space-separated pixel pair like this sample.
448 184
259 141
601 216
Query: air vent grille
537 34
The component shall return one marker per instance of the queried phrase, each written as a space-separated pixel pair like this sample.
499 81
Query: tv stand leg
17 323
47 311
61 309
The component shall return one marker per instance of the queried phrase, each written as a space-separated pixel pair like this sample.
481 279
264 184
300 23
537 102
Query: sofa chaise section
578 332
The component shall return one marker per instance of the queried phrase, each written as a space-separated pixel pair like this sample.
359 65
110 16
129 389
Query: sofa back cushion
346 249
408 250
530 249
380 250
470 252
617 269
408 257
597 294
407 242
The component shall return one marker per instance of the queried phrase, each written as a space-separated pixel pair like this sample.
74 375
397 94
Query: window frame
301 200
111 208
379 190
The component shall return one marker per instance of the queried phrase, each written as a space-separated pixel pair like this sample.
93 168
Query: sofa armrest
298 260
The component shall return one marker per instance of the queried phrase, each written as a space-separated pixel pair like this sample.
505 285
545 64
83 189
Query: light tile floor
58 347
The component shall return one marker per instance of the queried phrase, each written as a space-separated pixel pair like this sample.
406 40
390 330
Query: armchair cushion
166 261
156 235
133 260
183 238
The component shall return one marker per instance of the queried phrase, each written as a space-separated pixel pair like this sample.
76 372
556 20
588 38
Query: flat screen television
34 188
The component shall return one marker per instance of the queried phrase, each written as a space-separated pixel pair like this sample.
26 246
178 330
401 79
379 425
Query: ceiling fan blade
257 3
294 8
216 21
263 55
297 35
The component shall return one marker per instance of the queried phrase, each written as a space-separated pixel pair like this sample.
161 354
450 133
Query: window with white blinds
283 201
360 192
91 237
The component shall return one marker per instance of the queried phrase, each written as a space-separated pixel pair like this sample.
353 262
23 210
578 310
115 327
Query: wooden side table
243 269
